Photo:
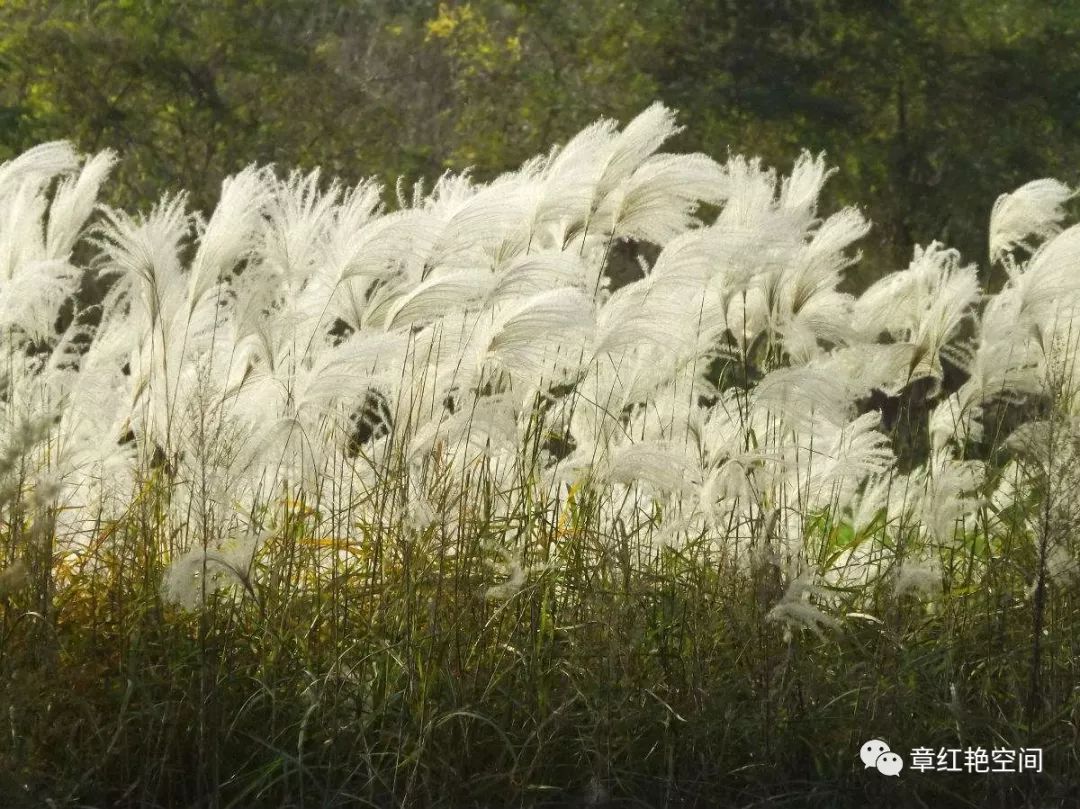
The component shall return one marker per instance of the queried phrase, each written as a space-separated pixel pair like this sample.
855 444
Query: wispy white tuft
1034 209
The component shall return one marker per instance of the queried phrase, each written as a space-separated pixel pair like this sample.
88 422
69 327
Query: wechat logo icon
876 753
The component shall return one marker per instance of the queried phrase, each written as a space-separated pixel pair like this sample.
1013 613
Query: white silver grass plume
1035 209
797 610
302 343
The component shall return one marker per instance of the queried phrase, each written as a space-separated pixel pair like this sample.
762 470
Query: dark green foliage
929 109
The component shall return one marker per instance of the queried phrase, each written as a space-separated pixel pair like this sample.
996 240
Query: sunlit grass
329 506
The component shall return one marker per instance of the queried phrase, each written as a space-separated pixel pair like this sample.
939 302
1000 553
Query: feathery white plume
1033 209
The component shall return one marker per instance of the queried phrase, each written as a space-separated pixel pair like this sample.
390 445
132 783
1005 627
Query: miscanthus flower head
302 343
202 571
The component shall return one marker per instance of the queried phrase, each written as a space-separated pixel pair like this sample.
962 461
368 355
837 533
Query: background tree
929 109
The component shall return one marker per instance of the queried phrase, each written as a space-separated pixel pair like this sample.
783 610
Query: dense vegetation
325 504
498 472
